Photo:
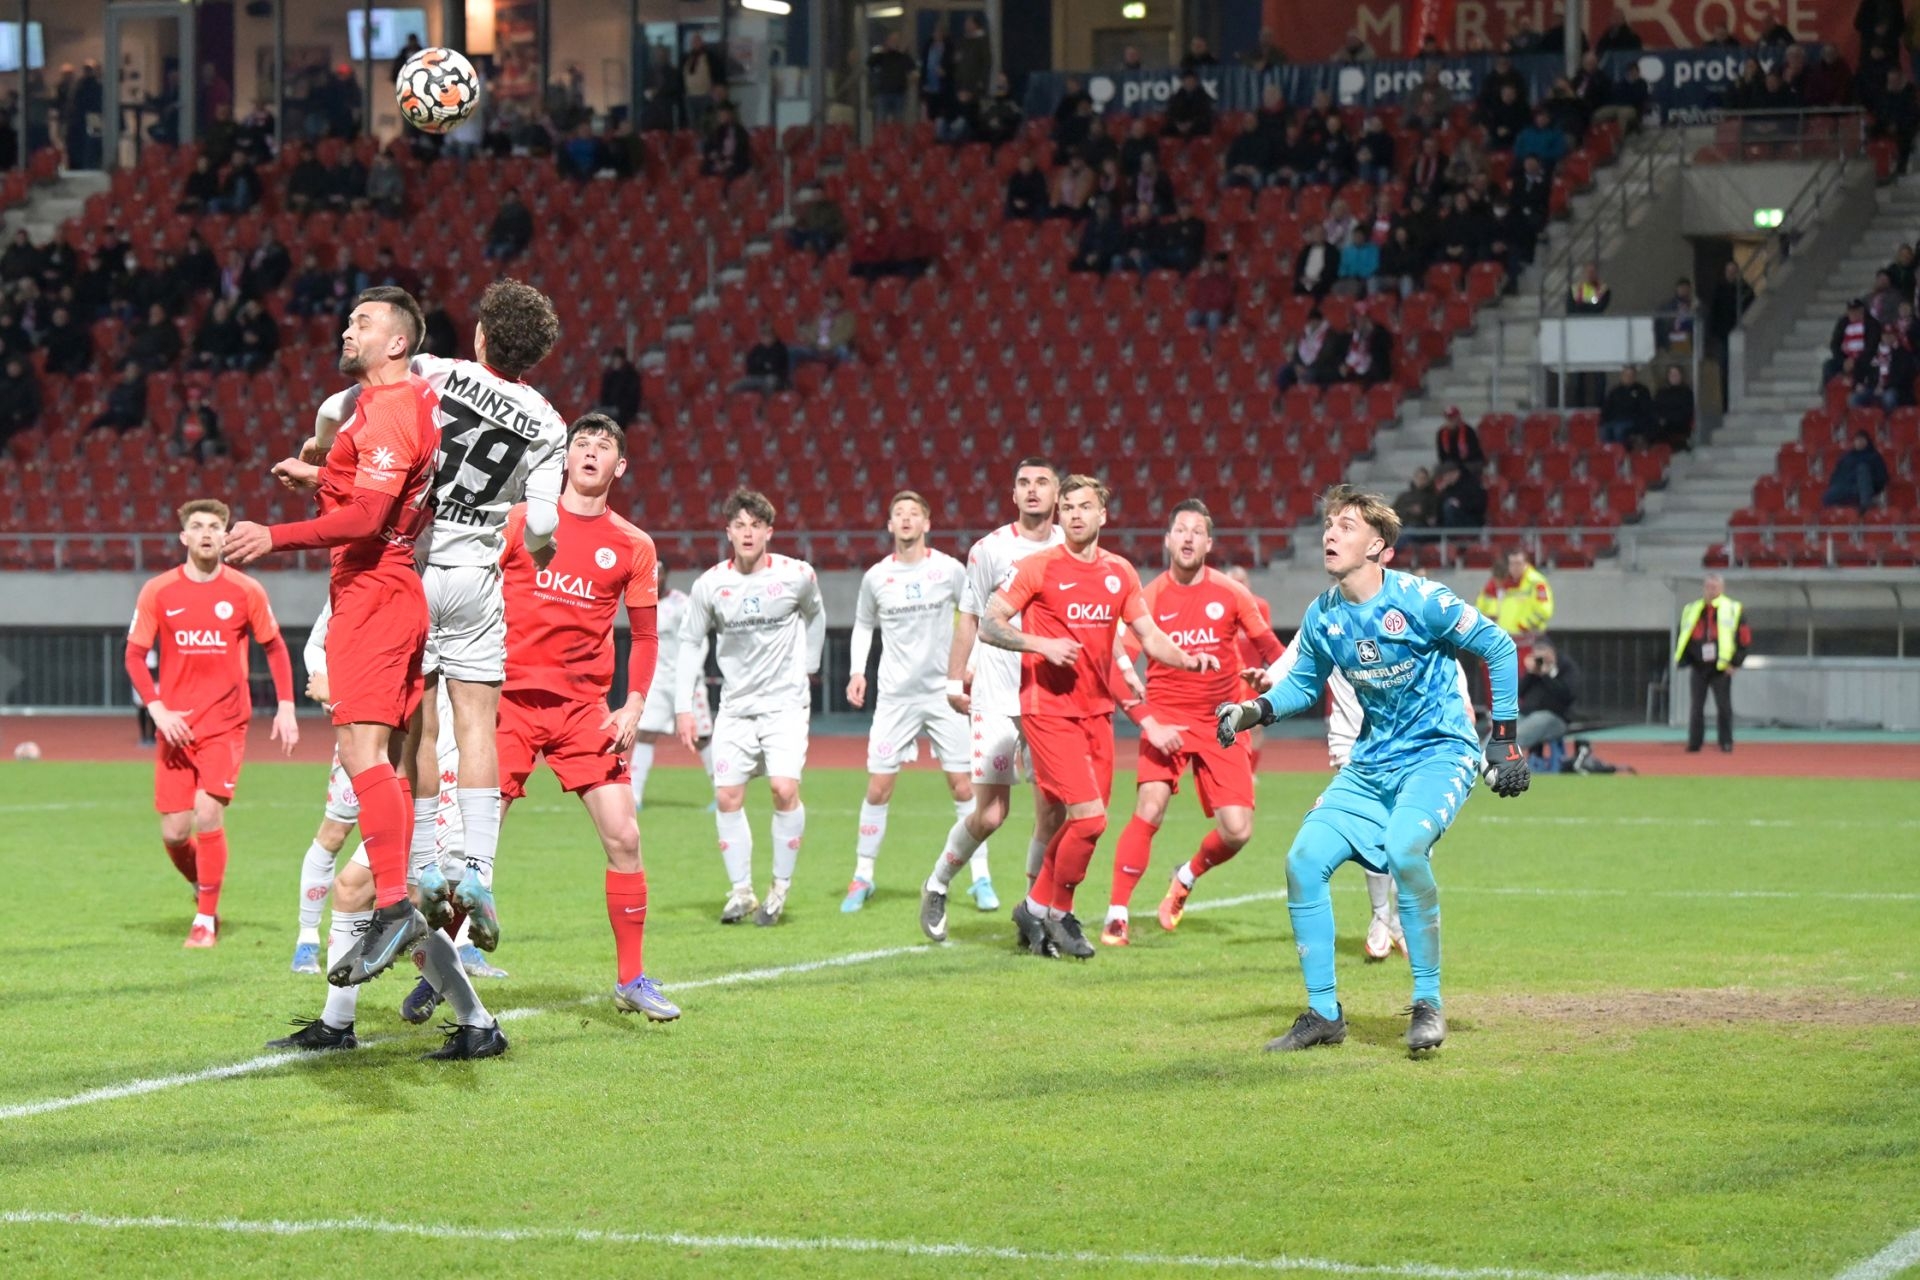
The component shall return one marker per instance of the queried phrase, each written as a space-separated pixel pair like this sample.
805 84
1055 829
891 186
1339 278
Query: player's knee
1236 829
879 788
208 814
176 828
786 792
1312 859
961 788
332 835
623 850
1151 810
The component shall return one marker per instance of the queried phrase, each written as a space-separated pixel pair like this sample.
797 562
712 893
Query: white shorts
897 725
657 716
999 752
466 623
744 747
342 804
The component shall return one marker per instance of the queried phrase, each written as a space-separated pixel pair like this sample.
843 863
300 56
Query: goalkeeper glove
1235 717
1506 767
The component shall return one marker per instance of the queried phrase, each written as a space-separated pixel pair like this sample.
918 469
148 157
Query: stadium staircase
53 198
1545 469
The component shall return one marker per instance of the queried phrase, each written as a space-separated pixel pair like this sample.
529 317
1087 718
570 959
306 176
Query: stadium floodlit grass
1682 1022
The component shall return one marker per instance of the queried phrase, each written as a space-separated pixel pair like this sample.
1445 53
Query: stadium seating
1001 351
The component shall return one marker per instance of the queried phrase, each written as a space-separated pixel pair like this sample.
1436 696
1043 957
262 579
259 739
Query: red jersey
1250 655
390 447
560 618
1206 617
201 630
1057 594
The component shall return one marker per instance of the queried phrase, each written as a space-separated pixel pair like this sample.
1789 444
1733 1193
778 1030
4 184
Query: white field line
799 1244
1890 1261
267 1062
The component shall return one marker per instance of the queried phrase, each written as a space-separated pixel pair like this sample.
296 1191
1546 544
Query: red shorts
1072 756
566 731
374 646
209 764
1222 775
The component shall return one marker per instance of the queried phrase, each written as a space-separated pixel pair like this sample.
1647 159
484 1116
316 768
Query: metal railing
1635 179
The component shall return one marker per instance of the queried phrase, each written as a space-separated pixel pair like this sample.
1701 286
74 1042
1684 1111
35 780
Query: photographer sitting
1548 689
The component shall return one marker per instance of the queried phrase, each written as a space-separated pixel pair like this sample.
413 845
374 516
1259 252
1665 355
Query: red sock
210 869
627 912
185 856
1130 859
1213 852
406 803
1073 856
1042 888
384 815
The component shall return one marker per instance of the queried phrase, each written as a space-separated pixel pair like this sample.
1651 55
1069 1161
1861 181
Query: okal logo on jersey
223 610
567 584
604 557
1368 650
1394 622
1197 638
1078 612
199 640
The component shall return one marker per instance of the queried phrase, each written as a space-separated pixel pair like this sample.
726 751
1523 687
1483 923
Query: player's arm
1258 630
1302 687
1156 644
266 629
643 654
171 726
544 479
1468 631
966 632
316 657
997 629
866 613
1542 603
814 610
696 625
333 411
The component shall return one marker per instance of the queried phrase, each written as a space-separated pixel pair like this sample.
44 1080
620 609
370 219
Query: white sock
1380 889
480 821
960 847
1184 874
736 845
1036 856
316 882
1116 913
706 758
426 827
866 846
342 1001
440 964
202 920
1039 911
962 810
641 766
789 828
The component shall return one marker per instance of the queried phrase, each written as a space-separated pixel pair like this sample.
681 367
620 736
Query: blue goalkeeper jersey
1398 651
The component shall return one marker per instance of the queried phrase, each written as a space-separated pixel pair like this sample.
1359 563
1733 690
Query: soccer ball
27 751
437 90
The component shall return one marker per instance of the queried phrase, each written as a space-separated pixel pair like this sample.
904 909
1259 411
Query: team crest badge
1113 584
223 610
604 557
1369 651
776 589
1394 623
1216 610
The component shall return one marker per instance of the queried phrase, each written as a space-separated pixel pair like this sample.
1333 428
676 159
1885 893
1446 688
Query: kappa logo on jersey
1394 622
223 610
567 584
1216 610
1113 584
200 639
604 557
1369 651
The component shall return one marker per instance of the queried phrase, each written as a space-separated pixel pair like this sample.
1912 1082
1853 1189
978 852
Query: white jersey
1343 724
500 443
772 629
990 566
671 613
913 606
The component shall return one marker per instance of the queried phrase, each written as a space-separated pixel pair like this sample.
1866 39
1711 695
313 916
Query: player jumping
1070 599
1203 611
1395 637
983 683
772 629
374 492
199 617
911 597
502 441
656 719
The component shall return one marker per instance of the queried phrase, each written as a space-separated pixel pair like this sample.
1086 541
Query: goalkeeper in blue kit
1394 637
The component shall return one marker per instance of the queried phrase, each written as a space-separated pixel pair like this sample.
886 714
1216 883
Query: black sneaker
420 1003
1068 938
378 943
1033 933
1308 1030
315 1036
466 1042
1428 1028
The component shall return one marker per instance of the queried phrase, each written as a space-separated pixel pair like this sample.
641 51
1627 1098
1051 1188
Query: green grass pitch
1682 1012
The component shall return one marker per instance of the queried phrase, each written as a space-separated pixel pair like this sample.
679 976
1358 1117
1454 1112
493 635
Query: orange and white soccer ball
437 90
27 751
